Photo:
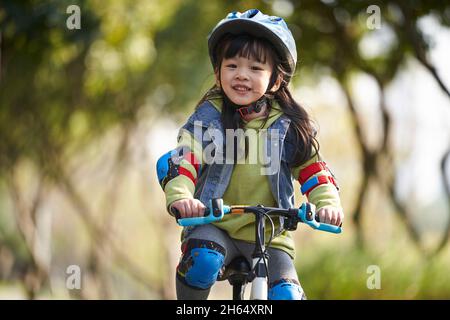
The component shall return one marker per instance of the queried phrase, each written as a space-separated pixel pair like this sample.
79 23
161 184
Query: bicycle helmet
257 24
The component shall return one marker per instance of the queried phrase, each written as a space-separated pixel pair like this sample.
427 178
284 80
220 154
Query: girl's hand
189 208
331 215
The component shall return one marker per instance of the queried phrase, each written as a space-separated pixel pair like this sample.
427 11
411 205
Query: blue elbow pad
168 166
162 168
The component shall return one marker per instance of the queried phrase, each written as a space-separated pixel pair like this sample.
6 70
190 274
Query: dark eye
256 68
231 65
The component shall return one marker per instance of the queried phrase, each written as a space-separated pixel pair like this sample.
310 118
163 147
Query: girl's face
244 80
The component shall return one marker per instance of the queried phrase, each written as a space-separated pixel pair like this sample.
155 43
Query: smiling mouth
241 88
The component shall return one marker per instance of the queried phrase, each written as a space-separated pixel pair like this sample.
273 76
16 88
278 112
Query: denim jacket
215 177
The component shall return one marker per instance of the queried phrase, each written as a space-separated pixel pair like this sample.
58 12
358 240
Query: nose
241 74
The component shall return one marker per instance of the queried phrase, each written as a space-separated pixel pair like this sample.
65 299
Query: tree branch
444 174
368 164
386 151
97 233
419 45
39 272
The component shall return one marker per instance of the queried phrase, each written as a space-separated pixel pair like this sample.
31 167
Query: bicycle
238 272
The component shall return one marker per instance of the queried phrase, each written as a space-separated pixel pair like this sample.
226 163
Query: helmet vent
252 13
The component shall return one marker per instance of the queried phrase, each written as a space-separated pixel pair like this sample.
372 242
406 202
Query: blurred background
92 94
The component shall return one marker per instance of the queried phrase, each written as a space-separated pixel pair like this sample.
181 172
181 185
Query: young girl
254 57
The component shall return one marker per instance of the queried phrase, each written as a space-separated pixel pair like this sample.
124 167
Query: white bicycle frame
259 287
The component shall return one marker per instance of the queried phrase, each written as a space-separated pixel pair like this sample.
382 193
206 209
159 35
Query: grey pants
280 264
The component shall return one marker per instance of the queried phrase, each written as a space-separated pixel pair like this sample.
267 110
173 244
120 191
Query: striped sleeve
322 195
183 185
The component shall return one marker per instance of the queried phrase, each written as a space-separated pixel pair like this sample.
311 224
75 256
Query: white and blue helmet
257 24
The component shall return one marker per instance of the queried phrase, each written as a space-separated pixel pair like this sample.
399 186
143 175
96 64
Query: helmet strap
255 107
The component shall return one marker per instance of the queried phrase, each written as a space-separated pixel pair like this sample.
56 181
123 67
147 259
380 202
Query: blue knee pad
201 263
286 289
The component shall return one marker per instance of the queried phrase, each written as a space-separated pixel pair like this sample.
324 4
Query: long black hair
301 129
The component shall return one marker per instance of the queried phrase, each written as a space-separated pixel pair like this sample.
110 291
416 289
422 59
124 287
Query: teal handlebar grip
307 214
214 212
185 222
329 228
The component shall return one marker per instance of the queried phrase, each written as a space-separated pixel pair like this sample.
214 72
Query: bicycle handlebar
305 214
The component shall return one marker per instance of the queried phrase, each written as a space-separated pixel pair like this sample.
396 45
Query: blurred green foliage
61 89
